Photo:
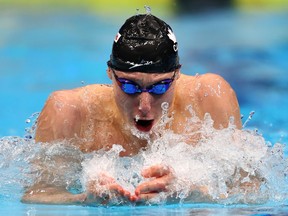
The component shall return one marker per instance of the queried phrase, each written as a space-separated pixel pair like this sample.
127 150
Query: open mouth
144 125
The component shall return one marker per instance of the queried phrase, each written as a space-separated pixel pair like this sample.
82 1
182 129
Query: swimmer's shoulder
65 111
213 87
211 93
78 100
82 94
202 85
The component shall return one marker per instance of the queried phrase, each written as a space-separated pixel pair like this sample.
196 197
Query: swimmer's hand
161 178
105 191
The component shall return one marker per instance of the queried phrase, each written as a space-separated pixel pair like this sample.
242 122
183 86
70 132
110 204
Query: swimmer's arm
251 185
243 182
60 118
95 194
40 194
57 121
217 98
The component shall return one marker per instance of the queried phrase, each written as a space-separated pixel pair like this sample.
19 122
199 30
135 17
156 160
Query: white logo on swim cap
172 37
117 37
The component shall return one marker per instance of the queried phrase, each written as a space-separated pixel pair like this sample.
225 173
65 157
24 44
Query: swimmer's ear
109 73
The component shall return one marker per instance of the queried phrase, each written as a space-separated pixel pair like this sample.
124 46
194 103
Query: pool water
41 52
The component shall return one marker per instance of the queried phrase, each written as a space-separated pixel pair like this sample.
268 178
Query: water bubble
28 121
165 106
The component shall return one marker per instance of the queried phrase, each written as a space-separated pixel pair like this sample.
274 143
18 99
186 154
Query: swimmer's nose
145 102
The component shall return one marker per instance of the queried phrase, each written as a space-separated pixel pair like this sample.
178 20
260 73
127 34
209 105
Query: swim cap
145 43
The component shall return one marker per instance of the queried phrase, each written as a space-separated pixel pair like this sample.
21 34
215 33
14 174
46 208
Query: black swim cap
145 43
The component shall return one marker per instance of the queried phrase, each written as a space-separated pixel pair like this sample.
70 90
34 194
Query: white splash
217 163
221 163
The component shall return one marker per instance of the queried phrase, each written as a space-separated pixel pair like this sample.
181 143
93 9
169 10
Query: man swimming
145 72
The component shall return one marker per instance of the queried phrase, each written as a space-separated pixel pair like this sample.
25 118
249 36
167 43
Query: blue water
41 52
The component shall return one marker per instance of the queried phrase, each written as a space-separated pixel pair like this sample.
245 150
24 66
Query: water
215 160
60 50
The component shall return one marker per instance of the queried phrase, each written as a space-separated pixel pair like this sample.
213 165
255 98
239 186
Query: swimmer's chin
144 125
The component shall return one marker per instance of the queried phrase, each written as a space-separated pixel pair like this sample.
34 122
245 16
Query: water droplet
28 136
28 121
148 9
137 117
249 118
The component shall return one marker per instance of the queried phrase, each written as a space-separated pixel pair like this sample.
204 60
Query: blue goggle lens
129 87
160 88
132 88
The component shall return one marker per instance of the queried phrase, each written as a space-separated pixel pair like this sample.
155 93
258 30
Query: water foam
224 164
213 164
220 163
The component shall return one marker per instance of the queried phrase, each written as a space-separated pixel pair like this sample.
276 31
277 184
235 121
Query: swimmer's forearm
53 196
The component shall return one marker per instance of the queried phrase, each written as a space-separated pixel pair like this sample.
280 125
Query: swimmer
145 71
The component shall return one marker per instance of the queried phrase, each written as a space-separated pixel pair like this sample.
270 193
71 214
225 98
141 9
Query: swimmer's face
142 110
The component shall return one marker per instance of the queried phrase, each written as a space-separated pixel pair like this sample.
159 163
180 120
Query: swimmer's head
145 43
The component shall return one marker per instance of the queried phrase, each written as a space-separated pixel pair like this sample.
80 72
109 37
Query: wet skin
96 116
142 110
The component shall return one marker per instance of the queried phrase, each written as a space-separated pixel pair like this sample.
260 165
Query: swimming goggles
130 87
